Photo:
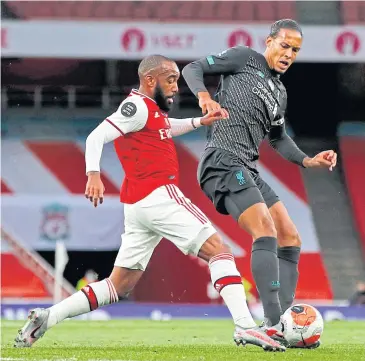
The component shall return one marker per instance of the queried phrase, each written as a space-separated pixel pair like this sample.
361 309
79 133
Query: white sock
88 299
227 281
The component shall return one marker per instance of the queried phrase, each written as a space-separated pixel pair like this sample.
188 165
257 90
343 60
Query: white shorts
165 213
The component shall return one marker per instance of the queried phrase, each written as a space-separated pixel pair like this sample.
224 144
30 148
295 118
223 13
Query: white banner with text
182 41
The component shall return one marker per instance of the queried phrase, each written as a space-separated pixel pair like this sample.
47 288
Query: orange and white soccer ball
303 325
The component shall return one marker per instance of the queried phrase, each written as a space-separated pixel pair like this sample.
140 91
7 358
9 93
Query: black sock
288 267
265 270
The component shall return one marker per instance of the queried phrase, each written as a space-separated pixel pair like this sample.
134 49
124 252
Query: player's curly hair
150 63
284 24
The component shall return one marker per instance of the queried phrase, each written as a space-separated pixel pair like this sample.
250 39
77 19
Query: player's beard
161 99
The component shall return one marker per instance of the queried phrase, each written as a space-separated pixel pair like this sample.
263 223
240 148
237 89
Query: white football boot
34 328
275 332
256 336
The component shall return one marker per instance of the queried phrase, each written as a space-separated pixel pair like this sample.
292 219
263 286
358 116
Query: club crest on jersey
240 178
157 114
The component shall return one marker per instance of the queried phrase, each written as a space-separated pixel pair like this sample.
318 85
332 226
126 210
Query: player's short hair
284 24
150 63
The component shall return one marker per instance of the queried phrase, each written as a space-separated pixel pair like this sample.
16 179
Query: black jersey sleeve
227 62
285 146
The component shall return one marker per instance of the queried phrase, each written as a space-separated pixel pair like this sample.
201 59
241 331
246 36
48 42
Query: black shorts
232 187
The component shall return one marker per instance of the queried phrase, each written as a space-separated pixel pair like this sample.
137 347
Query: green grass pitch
184 340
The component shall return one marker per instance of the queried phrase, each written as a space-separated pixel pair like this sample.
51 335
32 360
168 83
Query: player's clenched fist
325 159
94 188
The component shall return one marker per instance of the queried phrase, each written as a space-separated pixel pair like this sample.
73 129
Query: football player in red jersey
154 207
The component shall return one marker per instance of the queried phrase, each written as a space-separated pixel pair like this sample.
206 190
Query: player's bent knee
212 246
264 227
290 239
267 227
298 241
257 221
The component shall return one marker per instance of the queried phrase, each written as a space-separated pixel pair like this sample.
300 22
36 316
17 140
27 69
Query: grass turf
186 340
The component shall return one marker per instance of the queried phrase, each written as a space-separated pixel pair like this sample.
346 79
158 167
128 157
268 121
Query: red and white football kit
154 206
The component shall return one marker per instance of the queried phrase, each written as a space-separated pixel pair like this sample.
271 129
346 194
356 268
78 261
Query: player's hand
325 159
210 107
94 188
211 117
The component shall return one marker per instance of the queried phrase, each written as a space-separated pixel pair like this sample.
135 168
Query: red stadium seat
206 10
210 11
102 10
65 10
165 10
225 10
244 11
83 10
144 10
122 10
18 7
352 146
265 11
45 9
353 12
285 10
17 281
186 10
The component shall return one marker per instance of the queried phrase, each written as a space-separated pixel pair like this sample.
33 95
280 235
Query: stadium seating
353 12
24 273
17 281
352 144
155 11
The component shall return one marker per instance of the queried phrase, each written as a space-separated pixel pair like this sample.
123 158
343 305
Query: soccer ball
302 325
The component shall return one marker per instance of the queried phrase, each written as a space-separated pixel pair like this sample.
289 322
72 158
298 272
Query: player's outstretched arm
180 126
284 145
227 62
